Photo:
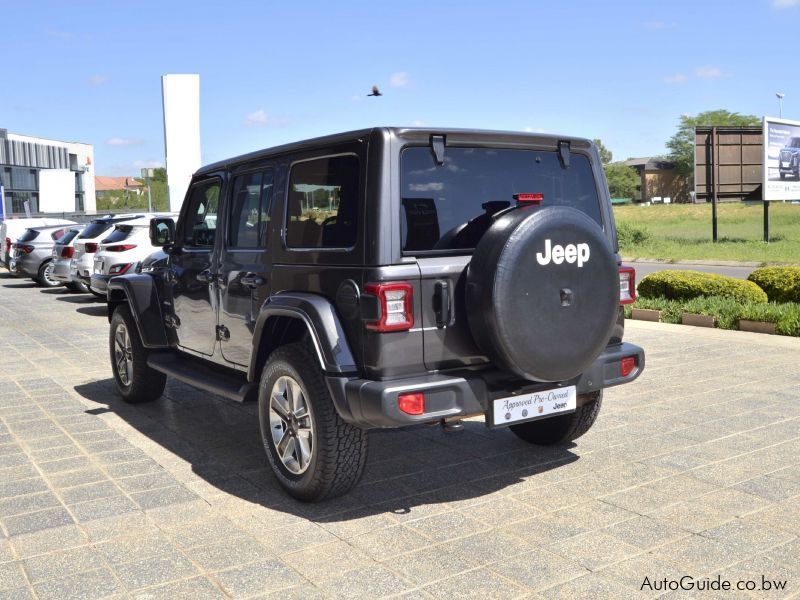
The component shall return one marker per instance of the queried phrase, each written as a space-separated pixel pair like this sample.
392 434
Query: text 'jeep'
385 278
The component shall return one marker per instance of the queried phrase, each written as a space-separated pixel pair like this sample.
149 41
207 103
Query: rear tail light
529 198
90 247
119 269
67 252
8 245
24 248
120 248
627 285
396 312
627 365
411 404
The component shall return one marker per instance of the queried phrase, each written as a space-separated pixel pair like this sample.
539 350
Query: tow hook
456 426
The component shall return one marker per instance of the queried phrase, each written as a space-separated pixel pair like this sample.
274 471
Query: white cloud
118 141
785 3
708 72
676 78
148 164
260 118
400 79
418 123
434 186
97 80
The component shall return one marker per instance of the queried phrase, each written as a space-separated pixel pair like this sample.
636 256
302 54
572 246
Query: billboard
728 163
781 159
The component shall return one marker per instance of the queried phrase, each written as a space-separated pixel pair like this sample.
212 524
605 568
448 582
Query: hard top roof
496 135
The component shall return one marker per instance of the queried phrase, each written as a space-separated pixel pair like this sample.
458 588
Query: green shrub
726 311
685 285
629 234
782 284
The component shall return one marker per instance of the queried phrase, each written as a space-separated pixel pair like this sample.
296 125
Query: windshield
450 206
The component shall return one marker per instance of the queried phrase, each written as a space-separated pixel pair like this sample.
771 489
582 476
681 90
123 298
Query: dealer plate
525 407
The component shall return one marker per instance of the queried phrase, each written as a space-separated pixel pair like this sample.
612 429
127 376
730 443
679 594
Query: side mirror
162 232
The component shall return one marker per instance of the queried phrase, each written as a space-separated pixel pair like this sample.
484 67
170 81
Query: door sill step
199 375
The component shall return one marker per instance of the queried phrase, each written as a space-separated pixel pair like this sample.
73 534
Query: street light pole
780 96
147 173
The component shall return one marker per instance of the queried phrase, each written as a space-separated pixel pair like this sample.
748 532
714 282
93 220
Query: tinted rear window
121 232
92 230
450 206
28 236
68 237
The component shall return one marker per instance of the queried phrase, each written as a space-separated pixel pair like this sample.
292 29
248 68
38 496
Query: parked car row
79 256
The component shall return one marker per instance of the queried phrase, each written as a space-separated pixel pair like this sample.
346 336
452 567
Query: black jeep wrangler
385 278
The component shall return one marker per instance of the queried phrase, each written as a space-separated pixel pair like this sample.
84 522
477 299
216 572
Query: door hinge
172 321
223 333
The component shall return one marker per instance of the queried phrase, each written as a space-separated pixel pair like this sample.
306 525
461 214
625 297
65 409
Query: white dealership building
51 176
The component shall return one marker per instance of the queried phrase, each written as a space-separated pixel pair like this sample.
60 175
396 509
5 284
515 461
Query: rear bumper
99 283
373 404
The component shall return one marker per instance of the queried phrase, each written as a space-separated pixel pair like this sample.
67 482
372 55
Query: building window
79 206
18 200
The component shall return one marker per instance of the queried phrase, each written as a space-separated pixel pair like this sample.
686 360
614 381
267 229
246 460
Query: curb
702 263
706 322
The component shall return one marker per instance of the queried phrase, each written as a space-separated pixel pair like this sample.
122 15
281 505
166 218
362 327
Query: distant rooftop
650 163
107 184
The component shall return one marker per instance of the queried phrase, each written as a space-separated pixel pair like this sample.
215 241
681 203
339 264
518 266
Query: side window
201 216
323 203
250 210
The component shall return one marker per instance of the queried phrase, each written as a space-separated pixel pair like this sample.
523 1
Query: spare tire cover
542 292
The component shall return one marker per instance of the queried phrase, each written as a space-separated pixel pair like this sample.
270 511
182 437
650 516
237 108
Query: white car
122 251
88 241
11 229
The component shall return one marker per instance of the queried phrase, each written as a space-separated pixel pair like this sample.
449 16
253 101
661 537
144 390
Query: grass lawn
683 231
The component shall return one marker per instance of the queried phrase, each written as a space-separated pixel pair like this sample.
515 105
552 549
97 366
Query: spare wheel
542 292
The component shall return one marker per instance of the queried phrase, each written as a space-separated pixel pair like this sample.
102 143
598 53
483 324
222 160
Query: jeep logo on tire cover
559 254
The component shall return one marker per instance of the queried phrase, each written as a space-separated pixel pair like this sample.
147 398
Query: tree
681 145
605 153
623 181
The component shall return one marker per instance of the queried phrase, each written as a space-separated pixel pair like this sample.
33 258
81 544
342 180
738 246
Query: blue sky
273 72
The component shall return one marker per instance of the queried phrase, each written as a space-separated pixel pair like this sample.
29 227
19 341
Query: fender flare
141 294
323 324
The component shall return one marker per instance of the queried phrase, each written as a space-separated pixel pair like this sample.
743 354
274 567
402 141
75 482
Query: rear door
244 275
192 258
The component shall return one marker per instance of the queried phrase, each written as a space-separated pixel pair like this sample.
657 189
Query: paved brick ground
692 470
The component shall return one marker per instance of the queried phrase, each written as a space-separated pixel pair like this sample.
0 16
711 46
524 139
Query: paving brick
154 570
11 576
102 507
36 521
478 584
48 540
99 583
258 577
188 589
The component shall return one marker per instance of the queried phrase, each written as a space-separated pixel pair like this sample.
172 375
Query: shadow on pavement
29 284
406 468
79 298
93 311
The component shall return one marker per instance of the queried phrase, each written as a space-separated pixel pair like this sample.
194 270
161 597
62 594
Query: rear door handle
252 281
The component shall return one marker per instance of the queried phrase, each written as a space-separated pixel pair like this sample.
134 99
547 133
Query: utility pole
780 96
147 174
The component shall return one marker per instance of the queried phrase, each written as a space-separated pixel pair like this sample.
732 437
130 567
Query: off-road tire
145 384
338 450
562 429
43 279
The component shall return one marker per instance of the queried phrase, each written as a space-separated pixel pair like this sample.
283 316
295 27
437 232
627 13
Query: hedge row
782 284
726 311
686 285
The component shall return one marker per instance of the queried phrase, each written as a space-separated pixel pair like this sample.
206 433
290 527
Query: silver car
32 254
63 251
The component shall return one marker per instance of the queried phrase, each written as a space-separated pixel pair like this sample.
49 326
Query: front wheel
136 382
312 451
564 428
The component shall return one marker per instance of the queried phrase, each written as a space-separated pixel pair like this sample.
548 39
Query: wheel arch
141 294
289 317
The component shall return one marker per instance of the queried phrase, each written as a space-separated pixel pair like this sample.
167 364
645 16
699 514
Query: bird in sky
375 91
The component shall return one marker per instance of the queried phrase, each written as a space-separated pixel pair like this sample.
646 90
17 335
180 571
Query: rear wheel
136 382
312 451
564 428
45 277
